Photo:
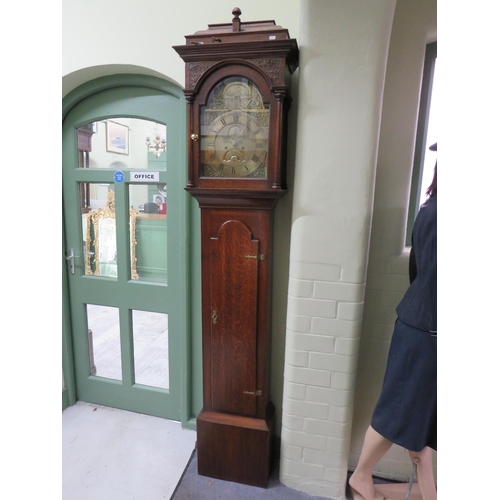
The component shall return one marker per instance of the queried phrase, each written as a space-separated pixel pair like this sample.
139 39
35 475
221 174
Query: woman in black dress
406 411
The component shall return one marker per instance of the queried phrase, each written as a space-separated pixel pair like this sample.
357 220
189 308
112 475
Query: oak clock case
237 90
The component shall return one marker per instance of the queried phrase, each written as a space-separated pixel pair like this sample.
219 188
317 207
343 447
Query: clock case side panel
275 96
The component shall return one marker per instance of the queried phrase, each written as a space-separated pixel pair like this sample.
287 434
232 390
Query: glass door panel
99 231
151 348
125 142
104 341
150 231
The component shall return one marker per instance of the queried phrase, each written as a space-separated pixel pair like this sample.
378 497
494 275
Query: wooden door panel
234 319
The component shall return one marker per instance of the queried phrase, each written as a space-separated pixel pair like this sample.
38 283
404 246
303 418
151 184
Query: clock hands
235 134
236 146
235 155
241 134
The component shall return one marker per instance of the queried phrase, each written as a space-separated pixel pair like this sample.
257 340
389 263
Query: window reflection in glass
150 200
104 341
122 143
151 348
99 230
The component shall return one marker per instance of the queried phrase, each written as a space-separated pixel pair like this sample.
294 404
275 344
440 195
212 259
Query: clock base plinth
235 448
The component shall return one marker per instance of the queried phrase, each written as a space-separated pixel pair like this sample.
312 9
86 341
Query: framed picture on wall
116 137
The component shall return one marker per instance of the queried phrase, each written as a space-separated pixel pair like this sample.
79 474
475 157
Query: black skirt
406 412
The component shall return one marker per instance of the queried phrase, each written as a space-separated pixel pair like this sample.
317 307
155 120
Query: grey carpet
192 486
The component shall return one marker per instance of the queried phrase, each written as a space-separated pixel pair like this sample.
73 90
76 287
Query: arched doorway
126 222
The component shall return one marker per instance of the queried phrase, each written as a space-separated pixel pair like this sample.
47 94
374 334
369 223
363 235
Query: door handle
71 258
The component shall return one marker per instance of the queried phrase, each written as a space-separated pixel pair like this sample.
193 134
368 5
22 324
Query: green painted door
125 233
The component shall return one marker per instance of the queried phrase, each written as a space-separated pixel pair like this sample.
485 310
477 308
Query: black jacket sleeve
418 308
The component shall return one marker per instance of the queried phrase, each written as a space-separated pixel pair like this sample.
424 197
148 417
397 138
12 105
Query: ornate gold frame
92 243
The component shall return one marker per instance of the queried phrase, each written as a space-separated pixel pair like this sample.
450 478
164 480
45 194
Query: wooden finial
236 19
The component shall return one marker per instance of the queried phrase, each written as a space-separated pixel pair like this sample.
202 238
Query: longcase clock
237 89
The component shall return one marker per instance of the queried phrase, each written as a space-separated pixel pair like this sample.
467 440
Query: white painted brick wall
332 214
324 318
323 330
387 282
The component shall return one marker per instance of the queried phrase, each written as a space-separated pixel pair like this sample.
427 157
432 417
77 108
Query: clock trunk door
234 299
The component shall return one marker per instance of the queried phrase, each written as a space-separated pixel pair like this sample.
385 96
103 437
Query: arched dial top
234 128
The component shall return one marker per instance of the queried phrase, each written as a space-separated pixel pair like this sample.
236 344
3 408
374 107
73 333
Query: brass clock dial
234 131
235 146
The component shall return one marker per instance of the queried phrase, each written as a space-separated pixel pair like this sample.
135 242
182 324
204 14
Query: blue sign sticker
119 176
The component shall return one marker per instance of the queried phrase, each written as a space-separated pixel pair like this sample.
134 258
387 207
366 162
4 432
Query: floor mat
192 486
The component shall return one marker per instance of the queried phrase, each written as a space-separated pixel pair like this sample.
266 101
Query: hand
238 139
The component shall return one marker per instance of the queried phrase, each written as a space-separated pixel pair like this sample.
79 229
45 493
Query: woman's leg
425 473
374 448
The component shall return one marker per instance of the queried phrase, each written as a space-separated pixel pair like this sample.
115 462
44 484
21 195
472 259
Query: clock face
234 131
235 147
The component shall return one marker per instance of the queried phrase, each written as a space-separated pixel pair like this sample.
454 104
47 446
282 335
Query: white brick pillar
325 307
343 46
